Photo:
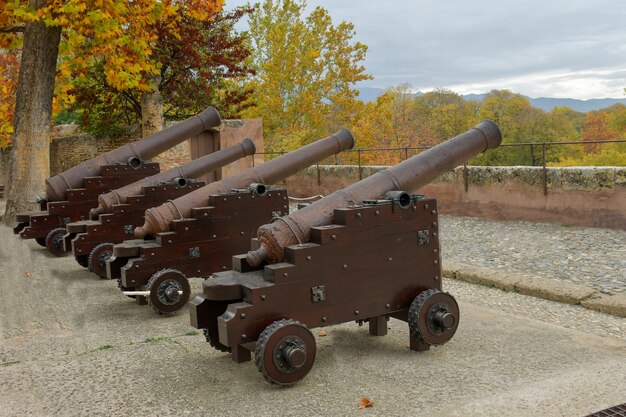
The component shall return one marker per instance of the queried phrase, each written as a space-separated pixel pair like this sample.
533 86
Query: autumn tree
118 30
203 69
442 114
306 68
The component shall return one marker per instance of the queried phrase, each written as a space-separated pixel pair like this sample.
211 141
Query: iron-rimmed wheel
212 336
41 241
54 241
285 352
97 262
83 260
434 317
169 291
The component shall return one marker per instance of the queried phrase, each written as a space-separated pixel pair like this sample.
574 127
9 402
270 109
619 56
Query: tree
305 70
443 114
33 114
203 70
118 30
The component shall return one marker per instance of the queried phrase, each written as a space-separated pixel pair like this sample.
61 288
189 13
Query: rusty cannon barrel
405 176
132 153
181 174
158 218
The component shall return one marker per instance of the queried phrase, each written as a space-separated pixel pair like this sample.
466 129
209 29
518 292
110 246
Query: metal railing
355 156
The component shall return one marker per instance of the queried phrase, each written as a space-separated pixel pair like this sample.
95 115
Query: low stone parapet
581 196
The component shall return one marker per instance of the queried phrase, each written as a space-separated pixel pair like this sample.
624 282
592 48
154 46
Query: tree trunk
152 109
33 116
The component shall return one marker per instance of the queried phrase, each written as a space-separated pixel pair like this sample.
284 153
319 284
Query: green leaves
305 70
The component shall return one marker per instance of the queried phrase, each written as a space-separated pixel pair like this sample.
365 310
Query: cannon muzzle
180 175
408 175
158 218
133 153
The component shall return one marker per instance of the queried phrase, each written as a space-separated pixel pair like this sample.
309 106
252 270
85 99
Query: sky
540 48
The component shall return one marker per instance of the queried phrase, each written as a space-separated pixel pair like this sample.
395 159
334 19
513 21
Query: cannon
71 194
197 234
368 253
120 211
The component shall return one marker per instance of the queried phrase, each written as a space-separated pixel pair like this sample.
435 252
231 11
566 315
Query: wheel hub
168 292
440 318
57 241
102 259
290 354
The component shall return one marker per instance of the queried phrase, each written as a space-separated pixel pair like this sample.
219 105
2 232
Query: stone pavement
592 257
72 344
576 265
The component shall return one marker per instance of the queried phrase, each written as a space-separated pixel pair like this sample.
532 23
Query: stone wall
581 196
72 150
69 151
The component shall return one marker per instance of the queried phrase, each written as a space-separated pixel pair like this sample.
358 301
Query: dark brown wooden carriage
195 247
47 226
377 261
91 241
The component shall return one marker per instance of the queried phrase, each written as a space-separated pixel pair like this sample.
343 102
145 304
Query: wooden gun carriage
121 210
368 253
197 234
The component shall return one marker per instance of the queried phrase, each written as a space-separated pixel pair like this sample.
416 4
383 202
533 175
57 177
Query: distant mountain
548 104
368 94
544 103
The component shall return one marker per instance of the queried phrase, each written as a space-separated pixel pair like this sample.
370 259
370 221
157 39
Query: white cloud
560 48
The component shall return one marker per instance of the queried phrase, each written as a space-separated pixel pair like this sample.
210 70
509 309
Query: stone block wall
72 150
581 196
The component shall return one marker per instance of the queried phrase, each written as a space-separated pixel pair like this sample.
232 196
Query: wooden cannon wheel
54 241
211 333
285 352
433 317
83 260
169 291
98 258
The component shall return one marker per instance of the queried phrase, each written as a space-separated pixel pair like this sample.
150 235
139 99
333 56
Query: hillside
545 103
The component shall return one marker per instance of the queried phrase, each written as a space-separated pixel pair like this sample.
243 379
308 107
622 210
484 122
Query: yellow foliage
608 154
117 33
305 69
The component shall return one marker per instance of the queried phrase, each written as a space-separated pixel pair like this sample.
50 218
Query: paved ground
592 257
71 344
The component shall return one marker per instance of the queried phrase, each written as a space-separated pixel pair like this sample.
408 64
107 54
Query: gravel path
71 344
592 257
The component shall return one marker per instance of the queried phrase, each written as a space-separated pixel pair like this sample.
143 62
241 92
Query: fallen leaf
322 333
365 402
26 274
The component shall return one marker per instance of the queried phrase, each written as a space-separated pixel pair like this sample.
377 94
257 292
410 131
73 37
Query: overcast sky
540 48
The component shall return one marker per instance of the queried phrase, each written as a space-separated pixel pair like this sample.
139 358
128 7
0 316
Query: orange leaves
9 70
118 33
365 402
